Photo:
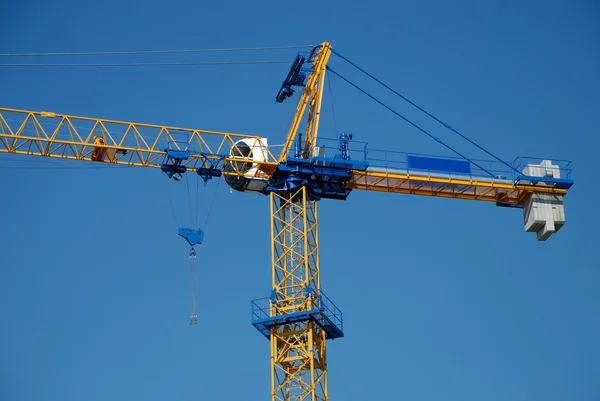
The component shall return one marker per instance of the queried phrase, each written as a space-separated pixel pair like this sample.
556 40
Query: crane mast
296 317
298 348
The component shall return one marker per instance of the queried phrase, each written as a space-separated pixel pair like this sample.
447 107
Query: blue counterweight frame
324 313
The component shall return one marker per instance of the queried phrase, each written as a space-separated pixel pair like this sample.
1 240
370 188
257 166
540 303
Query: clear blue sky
442 299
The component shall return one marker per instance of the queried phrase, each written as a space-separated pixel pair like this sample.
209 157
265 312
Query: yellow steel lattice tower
298 352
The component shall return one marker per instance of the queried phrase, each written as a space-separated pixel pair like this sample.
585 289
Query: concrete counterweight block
543 213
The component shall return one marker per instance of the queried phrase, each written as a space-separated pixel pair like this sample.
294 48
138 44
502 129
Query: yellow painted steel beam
311 96
298 349
470 189
118 142
314 109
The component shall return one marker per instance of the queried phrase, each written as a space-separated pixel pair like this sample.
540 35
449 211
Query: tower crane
296 317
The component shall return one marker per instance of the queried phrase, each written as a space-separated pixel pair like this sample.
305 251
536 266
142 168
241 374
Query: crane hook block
192 236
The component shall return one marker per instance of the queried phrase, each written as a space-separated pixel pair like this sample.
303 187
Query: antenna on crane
193 237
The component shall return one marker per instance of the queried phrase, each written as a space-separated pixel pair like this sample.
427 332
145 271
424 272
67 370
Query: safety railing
441 166
322 307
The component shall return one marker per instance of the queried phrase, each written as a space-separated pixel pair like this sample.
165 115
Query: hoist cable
424 111
332 108
197 199
187 184
212 203
172 205
231 49
190 63
193 302
438 140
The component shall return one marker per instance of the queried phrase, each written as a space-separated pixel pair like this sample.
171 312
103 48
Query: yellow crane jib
128 143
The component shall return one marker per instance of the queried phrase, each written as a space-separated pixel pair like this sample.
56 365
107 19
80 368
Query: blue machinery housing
324 177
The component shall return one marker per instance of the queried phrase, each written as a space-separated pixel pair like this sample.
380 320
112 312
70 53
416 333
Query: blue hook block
192 236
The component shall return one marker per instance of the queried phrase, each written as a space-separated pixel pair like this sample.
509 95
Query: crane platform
323 312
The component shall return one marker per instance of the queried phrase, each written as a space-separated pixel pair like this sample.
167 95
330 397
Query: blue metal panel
178 154
192 236
438 164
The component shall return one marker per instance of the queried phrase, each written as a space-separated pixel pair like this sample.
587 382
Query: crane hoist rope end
193 237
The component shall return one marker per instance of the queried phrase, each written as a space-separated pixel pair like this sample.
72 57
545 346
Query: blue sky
442 299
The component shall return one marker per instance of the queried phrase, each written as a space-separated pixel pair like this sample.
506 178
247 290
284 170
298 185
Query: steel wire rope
183 63
332 108
187 184
172 205
438 140
197 199
212 203
193 300
424 111
137 52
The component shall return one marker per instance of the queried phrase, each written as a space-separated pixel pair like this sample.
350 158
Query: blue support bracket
192 236
173 166
210 168
295 77
178 154
208 173
558 183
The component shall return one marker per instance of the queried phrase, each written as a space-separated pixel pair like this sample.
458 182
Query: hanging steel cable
424 111
438 140
183 63
138 52
193 303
